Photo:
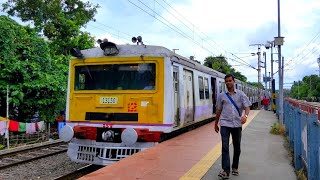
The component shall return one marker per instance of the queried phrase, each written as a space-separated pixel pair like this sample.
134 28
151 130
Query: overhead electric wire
313 39
130 36
116 35
181 32
312 51
206 36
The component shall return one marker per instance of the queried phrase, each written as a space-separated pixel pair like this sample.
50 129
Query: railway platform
196 155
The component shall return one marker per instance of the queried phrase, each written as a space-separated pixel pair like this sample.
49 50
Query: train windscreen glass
140 76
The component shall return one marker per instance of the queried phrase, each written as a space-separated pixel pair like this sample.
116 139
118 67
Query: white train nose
129 136
66 133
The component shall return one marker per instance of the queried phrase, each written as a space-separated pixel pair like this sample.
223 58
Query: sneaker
224 175
235 172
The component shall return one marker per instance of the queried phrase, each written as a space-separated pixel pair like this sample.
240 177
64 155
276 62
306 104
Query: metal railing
302 122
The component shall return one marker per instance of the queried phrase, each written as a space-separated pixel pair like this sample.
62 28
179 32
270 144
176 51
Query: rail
20 156
80 172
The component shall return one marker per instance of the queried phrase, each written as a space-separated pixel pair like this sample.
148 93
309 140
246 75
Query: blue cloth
235 105
60 125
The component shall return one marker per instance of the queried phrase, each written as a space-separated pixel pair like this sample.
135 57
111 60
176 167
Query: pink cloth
31 128
3 127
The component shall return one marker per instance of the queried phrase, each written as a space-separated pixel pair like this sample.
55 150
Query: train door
189 99
214 94
176 96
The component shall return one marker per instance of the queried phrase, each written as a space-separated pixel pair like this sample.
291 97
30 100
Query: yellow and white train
123 98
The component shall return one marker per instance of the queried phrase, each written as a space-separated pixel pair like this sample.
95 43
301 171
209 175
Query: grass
278 129
301 174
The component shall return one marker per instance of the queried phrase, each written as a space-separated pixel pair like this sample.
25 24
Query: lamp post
259 72
270 45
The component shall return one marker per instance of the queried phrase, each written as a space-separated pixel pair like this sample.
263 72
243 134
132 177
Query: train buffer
197 155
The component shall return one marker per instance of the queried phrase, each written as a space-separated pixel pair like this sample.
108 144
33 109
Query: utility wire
180 32
313 39
206 36
312 51
118 31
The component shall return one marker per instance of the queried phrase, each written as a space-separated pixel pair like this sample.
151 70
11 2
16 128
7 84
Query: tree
255 84
59 20
308 88
36 80
220 64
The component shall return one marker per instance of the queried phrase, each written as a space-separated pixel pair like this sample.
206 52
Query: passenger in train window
150 86
229 107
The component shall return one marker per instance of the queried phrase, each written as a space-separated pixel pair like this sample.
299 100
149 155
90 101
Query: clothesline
15 126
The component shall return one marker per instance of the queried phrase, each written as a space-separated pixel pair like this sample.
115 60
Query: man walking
229 107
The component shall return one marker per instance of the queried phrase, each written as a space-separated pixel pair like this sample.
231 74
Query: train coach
123 99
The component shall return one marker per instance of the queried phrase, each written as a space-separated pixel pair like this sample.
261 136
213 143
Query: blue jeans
236 139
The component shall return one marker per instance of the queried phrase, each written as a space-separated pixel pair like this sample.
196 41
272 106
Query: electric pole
265 70
259 72
273 91
319 64
269 89
279 41
271 44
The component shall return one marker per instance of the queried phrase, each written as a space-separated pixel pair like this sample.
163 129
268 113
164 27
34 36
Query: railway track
79 172
16 157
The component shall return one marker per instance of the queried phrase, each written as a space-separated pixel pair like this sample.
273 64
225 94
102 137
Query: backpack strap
234 104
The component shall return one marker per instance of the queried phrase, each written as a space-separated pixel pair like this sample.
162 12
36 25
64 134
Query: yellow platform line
202 167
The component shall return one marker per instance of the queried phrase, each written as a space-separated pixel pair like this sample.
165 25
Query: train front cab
115 107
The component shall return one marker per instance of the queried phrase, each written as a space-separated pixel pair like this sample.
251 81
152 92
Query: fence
302 121
18 139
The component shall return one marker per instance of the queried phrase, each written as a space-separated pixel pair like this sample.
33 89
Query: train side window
206 88
220 86
175 80
201 87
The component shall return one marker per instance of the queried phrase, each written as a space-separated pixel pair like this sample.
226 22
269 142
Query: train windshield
115 77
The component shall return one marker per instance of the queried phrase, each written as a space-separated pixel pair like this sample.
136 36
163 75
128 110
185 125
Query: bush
301 175
2 147
277 129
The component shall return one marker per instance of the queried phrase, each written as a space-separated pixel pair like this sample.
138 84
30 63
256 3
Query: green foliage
255 84
307 88
301 174
277 129
59 20
36 79
36 70
220 64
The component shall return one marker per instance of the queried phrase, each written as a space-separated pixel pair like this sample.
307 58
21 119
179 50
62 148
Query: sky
203 28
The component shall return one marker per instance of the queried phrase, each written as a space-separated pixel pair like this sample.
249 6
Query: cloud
212 27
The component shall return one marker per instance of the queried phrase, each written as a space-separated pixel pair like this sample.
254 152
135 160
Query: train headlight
129 136
66 133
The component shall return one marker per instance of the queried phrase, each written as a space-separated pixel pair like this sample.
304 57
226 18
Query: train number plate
108 100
